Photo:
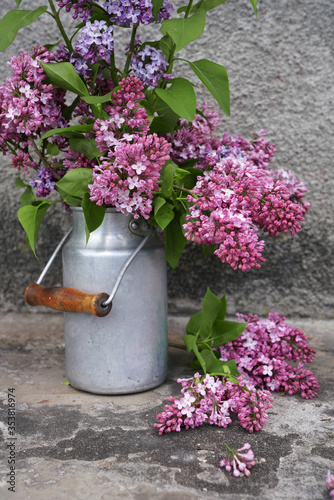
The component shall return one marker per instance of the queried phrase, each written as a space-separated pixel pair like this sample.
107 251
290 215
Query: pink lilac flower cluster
237 196
126 116
261 353
28 108
126 12
194 141
241 460
211 399
130 168
150 65
330 483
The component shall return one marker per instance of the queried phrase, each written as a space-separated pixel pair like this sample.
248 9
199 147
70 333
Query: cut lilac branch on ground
239 461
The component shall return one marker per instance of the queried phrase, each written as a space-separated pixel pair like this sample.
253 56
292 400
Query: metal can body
126 351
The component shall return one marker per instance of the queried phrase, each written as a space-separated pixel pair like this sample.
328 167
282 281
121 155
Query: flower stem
42 158
113 71
60 26
188 9
188 191
130 52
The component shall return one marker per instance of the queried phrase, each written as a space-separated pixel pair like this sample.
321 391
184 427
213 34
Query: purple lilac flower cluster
81 8
44 181
129 171
261 353
150 65
96 40
241 460
126 12
237 195
330 483
210 399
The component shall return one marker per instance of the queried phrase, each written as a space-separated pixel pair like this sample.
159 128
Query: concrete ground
74 445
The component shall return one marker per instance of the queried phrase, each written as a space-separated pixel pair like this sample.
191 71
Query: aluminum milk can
125 351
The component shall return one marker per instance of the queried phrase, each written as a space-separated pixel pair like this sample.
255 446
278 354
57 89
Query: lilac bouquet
92 134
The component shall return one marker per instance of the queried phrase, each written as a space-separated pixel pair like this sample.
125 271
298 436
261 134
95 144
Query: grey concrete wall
280 68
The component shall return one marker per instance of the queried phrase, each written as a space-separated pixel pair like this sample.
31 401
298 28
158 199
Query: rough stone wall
280 68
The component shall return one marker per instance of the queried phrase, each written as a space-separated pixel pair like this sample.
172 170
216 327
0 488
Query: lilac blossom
150 65
330 483
194 140
218 215
81 8
28 106
237 195
96 40
127 12
240 460
209 399
262 351
127 178
44 181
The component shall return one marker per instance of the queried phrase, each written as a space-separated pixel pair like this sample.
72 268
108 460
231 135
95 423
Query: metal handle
72 300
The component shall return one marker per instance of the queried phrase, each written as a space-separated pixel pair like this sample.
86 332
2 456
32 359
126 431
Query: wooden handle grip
67 300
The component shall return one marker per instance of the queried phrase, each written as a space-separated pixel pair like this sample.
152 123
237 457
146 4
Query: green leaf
97 99
198 325
52 149
164 215
73 131
168 178
159 126
13 21
30 217
51 46
214 365
19 182
166 45
67 112
76 181
86 146
211 307
63 75
190 342
222 312
27 197
156 6
158 202
195 322
66 382
225 331
203 4
184 30
167 116
254 4
214 77
67 198
93 213
174 242
232 367
180 97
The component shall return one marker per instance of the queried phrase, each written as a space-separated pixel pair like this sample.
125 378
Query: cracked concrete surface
72 444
